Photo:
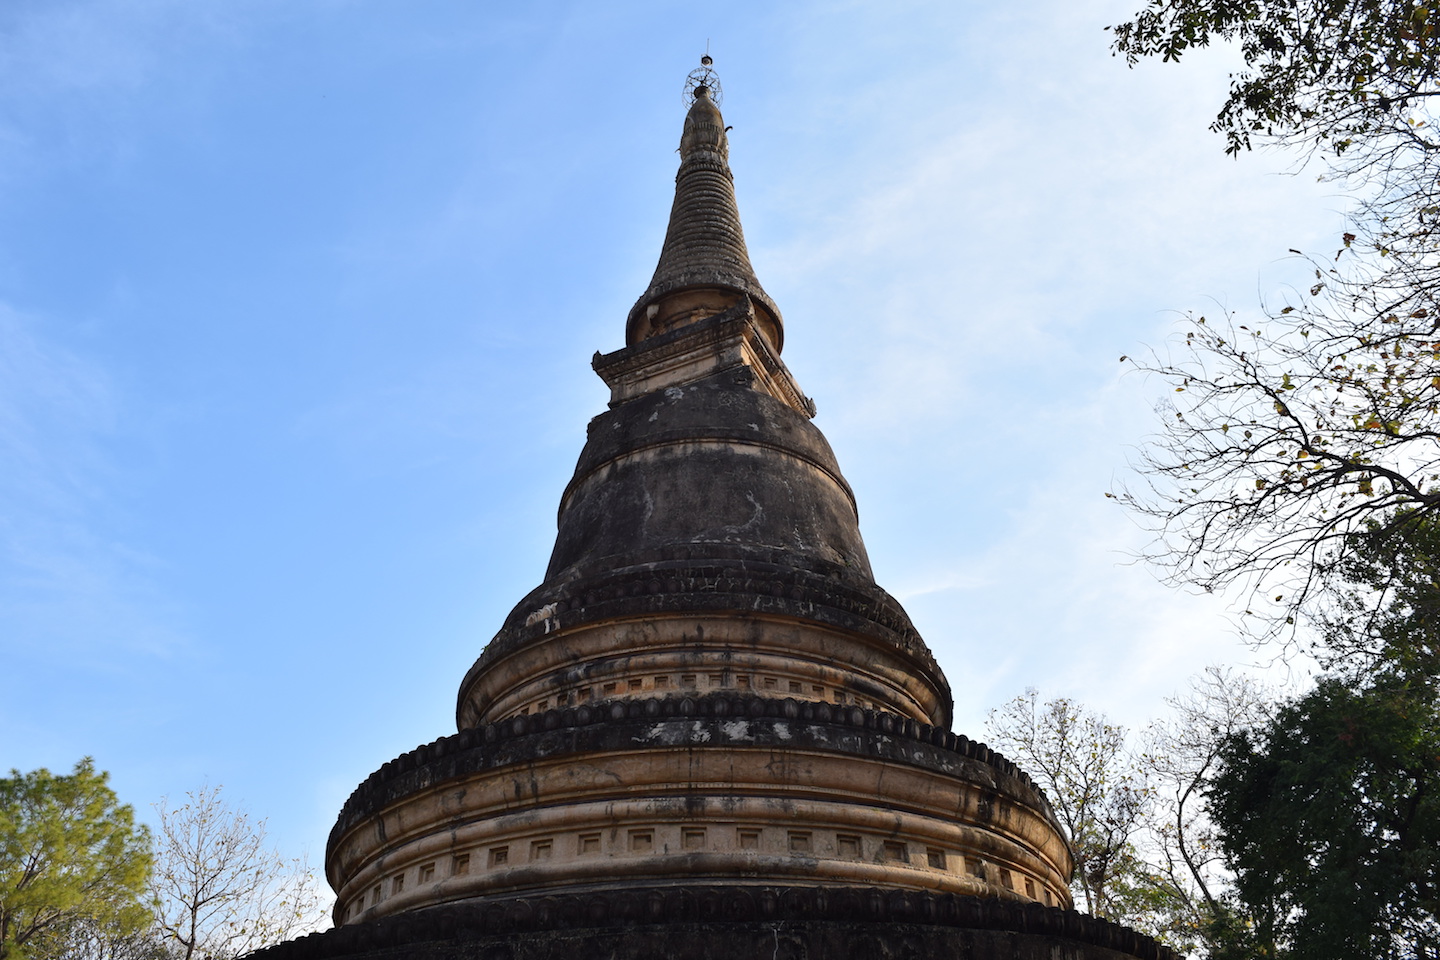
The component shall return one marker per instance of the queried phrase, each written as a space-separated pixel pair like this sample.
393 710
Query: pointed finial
703 82
704 268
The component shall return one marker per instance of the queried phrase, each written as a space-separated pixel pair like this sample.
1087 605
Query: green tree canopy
1388 614
70 853
1339 74
1329 812
1330 817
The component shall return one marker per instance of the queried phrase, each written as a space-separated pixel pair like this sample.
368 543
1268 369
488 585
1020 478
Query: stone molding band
475 749
719 906
700 586
738 325
705 276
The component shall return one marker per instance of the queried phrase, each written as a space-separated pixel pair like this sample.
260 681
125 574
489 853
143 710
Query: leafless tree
224 891
93 939
1180 756
1285 438
1082 763
1287 435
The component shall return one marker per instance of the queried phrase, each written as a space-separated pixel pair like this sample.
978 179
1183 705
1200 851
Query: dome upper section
709 465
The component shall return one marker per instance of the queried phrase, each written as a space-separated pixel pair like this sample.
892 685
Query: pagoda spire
704 266
708 734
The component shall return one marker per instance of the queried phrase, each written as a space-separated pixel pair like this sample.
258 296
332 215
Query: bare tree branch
224 891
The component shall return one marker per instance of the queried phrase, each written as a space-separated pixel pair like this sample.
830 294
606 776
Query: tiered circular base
680 791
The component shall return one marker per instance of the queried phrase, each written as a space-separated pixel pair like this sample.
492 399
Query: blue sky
297 301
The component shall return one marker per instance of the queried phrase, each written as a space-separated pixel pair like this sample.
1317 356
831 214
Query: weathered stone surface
590 725
729 341
732 578
833 637
711 462
711 499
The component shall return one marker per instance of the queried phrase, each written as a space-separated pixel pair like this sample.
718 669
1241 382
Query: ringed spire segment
704 267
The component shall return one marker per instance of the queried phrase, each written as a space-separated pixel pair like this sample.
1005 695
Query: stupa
708 733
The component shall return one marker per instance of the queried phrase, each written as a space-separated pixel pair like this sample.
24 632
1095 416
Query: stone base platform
731 921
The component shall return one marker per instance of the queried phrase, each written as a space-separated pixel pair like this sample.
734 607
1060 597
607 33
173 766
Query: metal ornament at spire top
703 76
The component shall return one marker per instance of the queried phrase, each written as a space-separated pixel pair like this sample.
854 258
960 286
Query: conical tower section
708 542
704 266
708 733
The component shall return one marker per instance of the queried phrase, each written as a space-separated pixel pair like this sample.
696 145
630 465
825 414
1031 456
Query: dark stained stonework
711 462
716 922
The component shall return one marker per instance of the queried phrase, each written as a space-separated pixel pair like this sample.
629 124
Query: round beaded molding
456 755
